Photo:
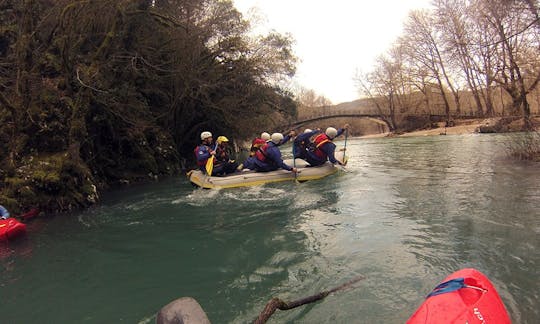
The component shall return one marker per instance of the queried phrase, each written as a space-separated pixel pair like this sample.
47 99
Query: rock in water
185 310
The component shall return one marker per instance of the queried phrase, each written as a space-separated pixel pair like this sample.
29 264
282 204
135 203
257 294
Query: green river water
405 214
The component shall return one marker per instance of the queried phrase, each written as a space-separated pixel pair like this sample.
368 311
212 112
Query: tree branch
4 101
87 86
276 303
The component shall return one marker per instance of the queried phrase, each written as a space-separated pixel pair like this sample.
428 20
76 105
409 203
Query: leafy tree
122 88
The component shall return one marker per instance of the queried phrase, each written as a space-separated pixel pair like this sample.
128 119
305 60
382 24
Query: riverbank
461 127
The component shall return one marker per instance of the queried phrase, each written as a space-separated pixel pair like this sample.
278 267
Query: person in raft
268 157
4 214
204 151
322 148
265 137
223 164
302 142
287 137
258 143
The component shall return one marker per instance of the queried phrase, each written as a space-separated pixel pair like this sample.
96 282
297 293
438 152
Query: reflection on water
407 212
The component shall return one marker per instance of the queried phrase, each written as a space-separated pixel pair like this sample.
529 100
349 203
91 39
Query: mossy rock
14 183
52 182
47 181
10 203
45 174
26 193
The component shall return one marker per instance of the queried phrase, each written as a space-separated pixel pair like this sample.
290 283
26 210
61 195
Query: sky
334 39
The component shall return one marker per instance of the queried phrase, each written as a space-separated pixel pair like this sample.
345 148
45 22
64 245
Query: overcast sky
334 38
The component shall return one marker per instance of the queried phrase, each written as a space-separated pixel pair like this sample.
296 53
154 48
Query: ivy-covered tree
109 91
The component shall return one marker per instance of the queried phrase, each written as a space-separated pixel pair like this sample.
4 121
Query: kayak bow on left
12 228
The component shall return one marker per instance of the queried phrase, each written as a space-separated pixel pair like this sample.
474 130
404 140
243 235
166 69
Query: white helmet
265 136
331 132
277 137
307 130
205 135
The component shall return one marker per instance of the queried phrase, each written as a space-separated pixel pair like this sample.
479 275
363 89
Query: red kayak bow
466 296
11 229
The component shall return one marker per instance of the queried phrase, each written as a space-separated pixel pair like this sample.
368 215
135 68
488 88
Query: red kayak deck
10 229
476 301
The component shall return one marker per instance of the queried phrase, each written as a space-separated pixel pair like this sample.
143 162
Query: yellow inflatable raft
247 178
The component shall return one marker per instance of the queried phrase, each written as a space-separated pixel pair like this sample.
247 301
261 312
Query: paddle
345 146
294 164
210 165
28 215
210 162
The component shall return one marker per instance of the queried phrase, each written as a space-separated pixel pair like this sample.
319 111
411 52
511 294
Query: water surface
405 214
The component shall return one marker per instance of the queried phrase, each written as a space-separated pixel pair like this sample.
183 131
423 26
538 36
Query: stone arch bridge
310 119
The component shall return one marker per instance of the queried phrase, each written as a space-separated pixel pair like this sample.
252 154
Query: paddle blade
29 215
342 158
210 165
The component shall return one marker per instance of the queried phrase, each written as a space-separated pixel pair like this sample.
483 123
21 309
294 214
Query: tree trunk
489 102
445 100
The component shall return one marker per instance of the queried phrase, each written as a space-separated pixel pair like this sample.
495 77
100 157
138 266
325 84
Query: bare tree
514 41
423 47
455 26
381 87
309 98
403 79
462 45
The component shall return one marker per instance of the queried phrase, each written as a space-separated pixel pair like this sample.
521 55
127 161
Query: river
406 213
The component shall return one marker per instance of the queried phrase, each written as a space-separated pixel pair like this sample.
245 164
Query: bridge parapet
299 123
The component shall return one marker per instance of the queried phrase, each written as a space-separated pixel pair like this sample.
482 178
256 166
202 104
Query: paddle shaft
294 162
29 215
345 144
210 162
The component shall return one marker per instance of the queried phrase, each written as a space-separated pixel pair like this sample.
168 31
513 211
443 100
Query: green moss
26 193
14 183
10 203
45 174
52 182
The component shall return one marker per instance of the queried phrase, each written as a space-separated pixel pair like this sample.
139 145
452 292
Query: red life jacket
256 145
319 141
261 153
258 142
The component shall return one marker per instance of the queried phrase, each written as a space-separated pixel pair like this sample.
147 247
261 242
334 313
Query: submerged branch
276 303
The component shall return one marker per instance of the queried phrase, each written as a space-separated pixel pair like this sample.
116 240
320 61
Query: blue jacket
301 144
3 212
273 159
328 149
285 139
202 153
305 136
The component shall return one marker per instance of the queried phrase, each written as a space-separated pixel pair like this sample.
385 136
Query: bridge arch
299 123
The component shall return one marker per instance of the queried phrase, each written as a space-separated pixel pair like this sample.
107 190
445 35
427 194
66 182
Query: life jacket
261 152
196 151
258 142
319 141
221 154
256 145
308 144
